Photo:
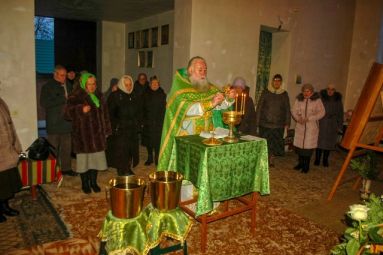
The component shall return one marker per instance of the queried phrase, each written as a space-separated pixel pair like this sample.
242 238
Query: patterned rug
37 223
294 219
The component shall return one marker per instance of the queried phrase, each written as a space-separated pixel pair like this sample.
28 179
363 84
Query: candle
244 104
236 103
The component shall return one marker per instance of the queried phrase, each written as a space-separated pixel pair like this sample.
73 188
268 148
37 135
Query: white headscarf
121 84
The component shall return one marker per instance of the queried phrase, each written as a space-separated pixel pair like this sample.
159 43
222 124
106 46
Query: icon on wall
165 34
141 58
145 38
150 59
137 37
154 37
131 40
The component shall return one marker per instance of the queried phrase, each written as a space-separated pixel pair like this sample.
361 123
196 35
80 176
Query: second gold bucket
165 189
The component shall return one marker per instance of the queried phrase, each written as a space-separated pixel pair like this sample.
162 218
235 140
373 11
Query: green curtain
264 62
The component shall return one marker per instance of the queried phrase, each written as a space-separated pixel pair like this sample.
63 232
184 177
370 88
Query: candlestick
244 104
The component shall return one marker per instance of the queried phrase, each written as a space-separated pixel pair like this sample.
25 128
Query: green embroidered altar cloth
223 172
141 234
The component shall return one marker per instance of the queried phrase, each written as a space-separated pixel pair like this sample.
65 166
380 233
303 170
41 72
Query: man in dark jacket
53 98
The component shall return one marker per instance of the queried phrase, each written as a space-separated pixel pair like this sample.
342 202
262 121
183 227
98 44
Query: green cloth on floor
144 232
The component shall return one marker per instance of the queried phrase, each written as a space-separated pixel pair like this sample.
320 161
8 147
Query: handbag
40 149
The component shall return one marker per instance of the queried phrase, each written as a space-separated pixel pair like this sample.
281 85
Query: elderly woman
154 106
273 116
307 111
330 125
89 114
10 148
247 125
125 111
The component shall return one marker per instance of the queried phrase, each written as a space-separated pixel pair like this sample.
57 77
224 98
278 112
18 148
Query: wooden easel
366 126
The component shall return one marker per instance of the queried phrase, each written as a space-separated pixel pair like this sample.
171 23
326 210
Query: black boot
306 165
102 250
85 182
300 163
326 154
2 217
318 154
93 180
126 172
5 209
150 156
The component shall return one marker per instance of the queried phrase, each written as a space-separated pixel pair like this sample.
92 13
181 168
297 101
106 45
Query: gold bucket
126 196
165 189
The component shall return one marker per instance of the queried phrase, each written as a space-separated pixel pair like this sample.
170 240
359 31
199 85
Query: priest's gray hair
192 61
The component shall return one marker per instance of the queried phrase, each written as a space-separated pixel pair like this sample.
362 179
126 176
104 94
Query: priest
193 106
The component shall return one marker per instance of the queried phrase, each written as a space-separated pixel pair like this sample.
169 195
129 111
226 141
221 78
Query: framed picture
165 34
131 40
137 37
145 38
141 58
149 59
154 37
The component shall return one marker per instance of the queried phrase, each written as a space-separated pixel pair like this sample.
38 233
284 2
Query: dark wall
75 44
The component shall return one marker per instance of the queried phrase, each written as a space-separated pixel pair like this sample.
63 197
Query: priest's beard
201 85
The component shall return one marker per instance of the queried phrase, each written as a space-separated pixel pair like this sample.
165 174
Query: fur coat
306 134
90 129
332 123
9 143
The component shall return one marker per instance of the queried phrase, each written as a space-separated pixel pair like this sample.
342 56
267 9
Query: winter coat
306 134
125 111
90 129
247 125
10 146
154 106
332 122
273 110
53 99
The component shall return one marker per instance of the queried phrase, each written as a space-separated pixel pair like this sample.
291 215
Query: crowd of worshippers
105 129
102 129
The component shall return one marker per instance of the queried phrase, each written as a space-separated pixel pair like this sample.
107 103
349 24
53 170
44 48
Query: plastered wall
365 45
228 37
17 65
113 51
163 54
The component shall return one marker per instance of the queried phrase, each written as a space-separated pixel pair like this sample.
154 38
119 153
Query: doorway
273 57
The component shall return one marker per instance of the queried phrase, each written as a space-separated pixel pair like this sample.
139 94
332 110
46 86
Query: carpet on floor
278 231
38 223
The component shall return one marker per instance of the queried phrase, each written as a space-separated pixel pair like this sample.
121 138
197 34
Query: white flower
358 212
358 206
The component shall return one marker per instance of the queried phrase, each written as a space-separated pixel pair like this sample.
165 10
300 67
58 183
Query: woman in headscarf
273 116
125 111
154 106
112 87
307 111
10 148
91 126
247 125
330 125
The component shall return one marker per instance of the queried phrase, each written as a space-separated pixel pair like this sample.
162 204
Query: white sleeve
195 110
224 105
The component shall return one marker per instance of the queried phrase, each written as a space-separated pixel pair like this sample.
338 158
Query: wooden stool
180 246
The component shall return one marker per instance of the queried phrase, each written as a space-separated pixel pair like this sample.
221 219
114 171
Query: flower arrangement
366 165
365 233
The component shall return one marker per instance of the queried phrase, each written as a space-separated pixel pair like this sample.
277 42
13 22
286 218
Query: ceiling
95 10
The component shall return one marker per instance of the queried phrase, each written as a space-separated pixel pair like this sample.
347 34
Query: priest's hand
217 99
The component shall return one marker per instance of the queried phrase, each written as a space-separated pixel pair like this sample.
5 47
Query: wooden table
221 173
